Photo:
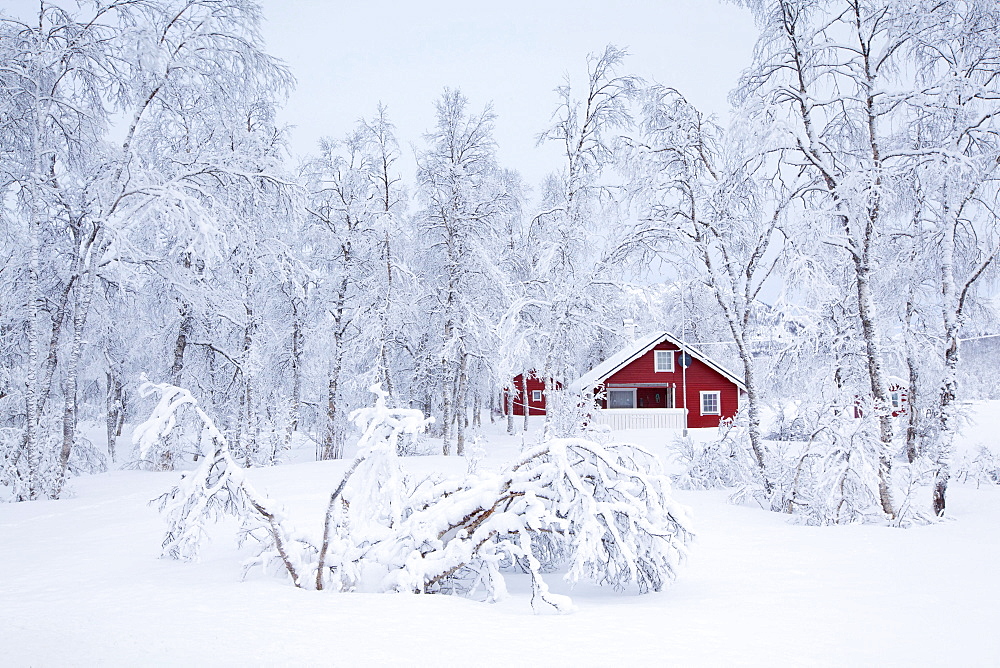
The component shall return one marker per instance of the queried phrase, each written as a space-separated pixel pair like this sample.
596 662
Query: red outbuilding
655 380
898 397
535 400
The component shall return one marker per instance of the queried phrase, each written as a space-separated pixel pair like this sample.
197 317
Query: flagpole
684 367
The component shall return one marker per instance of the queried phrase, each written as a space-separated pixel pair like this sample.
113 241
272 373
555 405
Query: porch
640 418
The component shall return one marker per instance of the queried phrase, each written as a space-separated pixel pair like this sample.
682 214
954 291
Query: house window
664 360
536 395
894 398
621 398
710 403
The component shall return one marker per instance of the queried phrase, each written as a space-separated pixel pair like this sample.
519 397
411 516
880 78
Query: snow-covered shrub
834 479
41 478
475 451
910 485
371 497
10 453
217 487
599 433
15 465
568 411
85 457
723 462
787 424
602 512
417 445
625 527
182 435
824 470
980 466
833 476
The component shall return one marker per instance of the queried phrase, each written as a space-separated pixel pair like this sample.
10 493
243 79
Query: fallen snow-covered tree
601 512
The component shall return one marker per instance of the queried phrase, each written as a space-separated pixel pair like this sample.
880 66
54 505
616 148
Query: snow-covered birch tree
829 74
465 198
706 201
954 140
180 74
571 235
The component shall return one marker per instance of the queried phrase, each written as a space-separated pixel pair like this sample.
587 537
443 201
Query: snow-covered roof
637 349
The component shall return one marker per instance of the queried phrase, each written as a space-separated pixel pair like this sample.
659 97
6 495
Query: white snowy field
81 583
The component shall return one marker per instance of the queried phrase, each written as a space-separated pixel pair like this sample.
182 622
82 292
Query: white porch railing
640 418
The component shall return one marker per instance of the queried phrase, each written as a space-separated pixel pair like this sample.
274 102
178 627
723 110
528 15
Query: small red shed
535 403
898 389
898 397
653 380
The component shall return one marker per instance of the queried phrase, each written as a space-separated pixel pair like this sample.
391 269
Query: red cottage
651 382
536 395
898 397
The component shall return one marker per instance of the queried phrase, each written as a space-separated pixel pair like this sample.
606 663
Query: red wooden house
534 403
653 380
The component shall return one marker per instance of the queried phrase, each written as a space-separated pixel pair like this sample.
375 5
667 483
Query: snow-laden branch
601 512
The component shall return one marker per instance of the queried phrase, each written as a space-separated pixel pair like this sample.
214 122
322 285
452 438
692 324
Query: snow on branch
217 487
599 512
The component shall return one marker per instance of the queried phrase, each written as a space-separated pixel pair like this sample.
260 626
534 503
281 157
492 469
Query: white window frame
536 395
667 355
621 389
896 399
718 402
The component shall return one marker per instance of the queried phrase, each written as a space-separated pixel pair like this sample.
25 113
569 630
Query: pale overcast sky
349 55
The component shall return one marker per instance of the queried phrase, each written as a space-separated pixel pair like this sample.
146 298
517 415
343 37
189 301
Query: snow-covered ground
81 584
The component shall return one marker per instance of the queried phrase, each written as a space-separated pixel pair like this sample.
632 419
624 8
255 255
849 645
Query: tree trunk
384 343
184 331
32 487
463 381
477 419
862 264
32 490
115 410
912 410
333 443
247 401
296 354
493 403
333 440
446 410
949 383
524 399
81 308
509 409
448 378
880 395
753 412
55 334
